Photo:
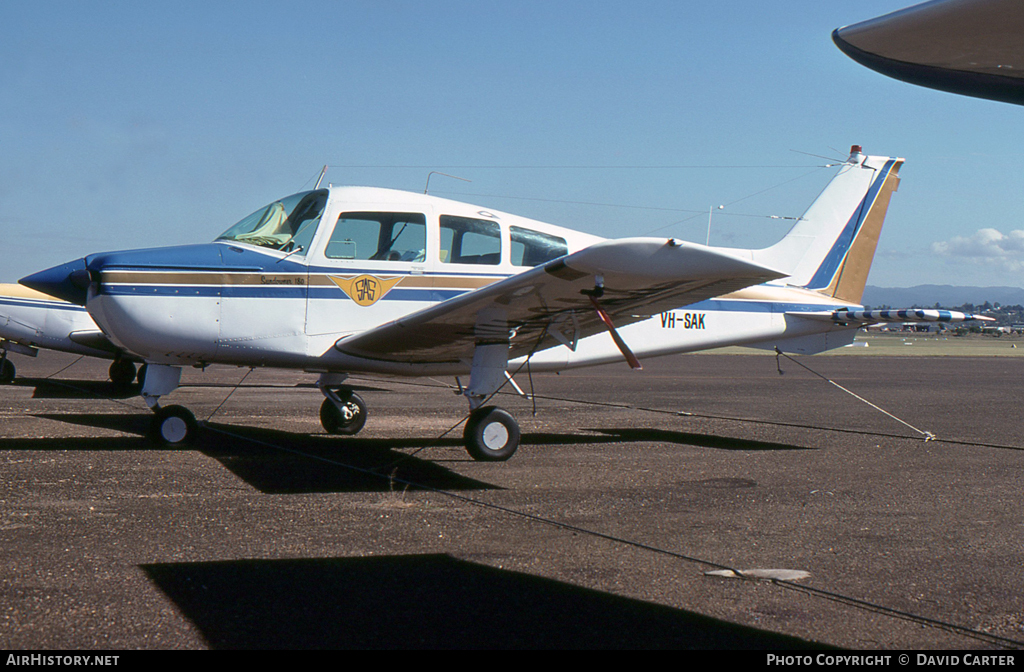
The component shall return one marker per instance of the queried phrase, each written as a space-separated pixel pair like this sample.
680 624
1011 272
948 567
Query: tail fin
831 248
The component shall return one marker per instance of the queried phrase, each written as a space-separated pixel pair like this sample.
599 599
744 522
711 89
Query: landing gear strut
491 433
172 425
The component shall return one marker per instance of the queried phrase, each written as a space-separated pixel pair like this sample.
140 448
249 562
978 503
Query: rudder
831 248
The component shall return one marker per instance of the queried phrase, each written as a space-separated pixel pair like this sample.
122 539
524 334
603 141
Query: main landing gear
7 370
491 434
122 373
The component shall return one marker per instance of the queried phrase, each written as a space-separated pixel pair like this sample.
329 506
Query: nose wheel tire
348 419
174 426
491 434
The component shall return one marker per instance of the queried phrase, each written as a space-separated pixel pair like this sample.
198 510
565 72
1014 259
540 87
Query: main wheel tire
491 434
140 377
122 372
7 372
347 420
174 426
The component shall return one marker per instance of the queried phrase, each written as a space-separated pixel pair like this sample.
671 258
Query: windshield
287 225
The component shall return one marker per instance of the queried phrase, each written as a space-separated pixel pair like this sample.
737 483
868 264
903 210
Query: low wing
632 278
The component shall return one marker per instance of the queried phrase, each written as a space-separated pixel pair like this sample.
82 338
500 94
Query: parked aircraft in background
30 320
970 47
349 280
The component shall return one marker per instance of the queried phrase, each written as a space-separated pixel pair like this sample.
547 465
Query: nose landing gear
171 425
343 411
345 416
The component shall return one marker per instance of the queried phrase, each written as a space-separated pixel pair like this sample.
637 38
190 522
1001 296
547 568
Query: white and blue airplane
30 320
345 280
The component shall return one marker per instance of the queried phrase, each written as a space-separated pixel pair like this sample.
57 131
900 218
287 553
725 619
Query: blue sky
127 124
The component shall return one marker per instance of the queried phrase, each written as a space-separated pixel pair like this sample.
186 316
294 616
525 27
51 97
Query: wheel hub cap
173 430
495 436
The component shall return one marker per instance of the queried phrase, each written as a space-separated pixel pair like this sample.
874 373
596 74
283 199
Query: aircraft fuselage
237 301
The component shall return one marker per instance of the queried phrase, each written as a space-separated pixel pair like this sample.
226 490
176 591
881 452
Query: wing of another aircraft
631 278
971 47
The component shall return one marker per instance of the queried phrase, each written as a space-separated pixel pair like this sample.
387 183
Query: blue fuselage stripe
427 295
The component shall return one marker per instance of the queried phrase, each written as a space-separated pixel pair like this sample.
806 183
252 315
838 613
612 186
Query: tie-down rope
928 436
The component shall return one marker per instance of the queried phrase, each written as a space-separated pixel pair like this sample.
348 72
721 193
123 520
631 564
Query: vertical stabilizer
831 248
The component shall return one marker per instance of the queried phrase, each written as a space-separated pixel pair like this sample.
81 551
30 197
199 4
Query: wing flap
633 279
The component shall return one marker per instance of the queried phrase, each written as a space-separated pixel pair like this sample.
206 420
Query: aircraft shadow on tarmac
607 435
277 462
426 602
691 439
52 388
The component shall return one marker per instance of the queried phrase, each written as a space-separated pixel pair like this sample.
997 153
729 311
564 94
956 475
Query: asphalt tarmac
598 533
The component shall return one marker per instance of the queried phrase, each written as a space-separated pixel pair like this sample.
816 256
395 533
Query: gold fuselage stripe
318 279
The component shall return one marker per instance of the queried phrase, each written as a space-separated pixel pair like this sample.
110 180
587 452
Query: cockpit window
287 225
533 248
379 236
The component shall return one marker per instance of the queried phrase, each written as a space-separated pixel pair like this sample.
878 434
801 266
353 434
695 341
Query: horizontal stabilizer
876 316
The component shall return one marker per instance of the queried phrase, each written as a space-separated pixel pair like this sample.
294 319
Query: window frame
447 260
388 219
513 230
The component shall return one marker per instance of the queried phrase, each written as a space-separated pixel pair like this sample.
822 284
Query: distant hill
946 295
